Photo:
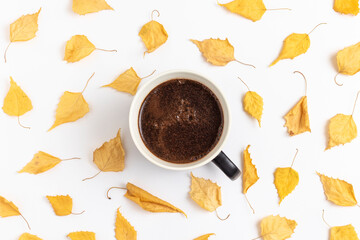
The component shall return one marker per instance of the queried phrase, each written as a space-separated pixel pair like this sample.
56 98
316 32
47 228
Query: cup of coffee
180 120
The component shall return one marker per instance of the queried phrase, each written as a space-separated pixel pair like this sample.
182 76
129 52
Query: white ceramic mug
215 155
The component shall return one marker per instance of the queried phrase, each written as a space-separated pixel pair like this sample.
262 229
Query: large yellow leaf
250 9
277 228
286 179
83 7
28 236
297 119
123 229
8 209
204 237
148 201
61 204
342 129
40 163
347 6
24 28
77 48
205 193
348 60
250 176
82 235
346 232
253 104
128 82
16 102
338 191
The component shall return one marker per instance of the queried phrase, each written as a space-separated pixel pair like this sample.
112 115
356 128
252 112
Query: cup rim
138 99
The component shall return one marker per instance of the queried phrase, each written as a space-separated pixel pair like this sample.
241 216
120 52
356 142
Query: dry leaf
253 104
277 228
348 60
205 193
77 48
204 237
347 6
338 191
82 235
342 129
148 201
61 204
297 119
250 9
8 209
286 179
28 236
40 163
153 34
250 176
23 29
123 229
346 232
83 7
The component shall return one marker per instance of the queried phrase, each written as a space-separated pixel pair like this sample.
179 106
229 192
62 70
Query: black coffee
180 121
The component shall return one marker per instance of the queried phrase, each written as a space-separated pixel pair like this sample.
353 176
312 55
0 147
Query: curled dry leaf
123 229
28 236
8 209
23 29
338 191
61 204
277 228
82 235
250 176
346 232
347 6
204 237
83 7
348 60
153 34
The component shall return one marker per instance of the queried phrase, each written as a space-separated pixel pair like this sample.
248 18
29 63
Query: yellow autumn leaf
250 176
277 228
77 48
204 237
83 7
348 60
40 163
9 209
347 6
250 9
153 34
297 119
23 29
148 201
61 204
342 129
346 232
82 235
205 193
338 191
123 229
286 179
28 236
253 104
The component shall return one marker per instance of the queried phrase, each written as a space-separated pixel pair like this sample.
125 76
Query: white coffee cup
215 155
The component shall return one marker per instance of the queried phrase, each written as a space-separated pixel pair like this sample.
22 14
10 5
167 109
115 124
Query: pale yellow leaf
77 48
153 34
16 102
82 235
40 163
83 7
342 129
123 229
250 9
204 237
128 82
346 232
277 228
28 236
61 204
348 60
347 6
24 28
7 208
297 119
250 176
286 179
253 104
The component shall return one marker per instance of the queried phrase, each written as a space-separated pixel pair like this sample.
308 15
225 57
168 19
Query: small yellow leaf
346 232
40 163
205 193
297 119
204 237
153 34
347 6
8 209
77 48
148 201
294 45
254 104
16 102
250 176
128 82
348 60
82 235
338 191
24 28
83 7
286 179
342 129
277 228
123 229
62 205
250 9
28 236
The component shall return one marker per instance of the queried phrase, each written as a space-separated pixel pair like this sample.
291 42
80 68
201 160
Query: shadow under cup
215 155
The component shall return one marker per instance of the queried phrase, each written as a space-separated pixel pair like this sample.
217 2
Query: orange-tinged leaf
250 9
40 163
348 60
24 28
148 201
338 191
128 82
77 48
61 204
16 102
82 235
347 6
286 179
277 228
297 119
9 209
123 229
346 232
250 176
83 7
28 236
205 193
204 237
342 129
253 104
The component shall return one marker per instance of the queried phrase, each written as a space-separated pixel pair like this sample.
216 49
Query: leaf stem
67 159
18 118
323 212
297 150
106 50
107 193
315 27
25 221
249 204
222 219
257 238
149 74
304 79
6 51
92 176
246 64
152 14
245 84
78 213
336 81
357 96
275 9
87 82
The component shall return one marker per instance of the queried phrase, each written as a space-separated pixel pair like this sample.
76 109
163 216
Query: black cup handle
227 166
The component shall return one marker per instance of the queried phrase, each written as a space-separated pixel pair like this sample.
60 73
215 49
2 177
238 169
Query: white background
37 67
